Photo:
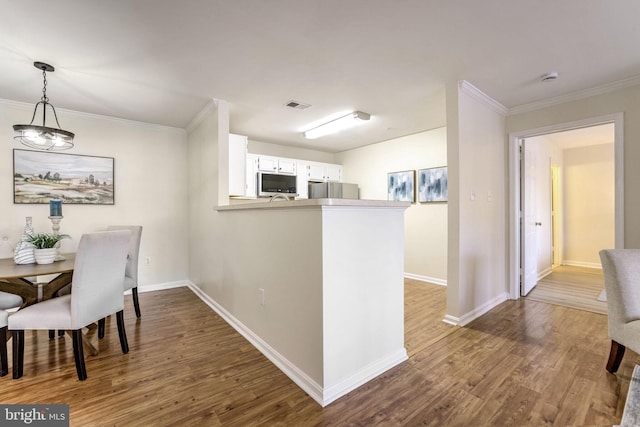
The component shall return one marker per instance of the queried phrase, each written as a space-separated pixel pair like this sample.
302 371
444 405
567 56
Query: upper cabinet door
267 164
287 166
276 165
325 172
316 172
334 173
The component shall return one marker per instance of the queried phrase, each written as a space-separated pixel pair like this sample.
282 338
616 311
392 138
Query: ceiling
581 137
162 62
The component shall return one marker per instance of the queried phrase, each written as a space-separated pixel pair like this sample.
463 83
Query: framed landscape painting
40 176
401 187
432 185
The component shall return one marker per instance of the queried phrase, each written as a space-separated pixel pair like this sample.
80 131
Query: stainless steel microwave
270 184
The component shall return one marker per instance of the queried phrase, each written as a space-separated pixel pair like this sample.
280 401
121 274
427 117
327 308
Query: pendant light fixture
44 137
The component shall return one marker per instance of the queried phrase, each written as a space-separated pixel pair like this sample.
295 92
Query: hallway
575 287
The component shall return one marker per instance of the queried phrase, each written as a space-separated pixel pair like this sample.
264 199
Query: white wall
150 182
477 204
425 223
589 214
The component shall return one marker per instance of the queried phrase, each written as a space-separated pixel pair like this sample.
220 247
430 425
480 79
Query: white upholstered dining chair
97 292
131 272
621 268
9 300
4 363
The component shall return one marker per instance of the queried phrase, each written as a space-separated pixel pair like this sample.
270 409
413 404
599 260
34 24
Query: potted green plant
45 246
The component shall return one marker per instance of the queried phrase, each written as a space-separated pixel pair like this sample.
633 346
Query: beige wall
205 235
150 182
425 223
477 204
235 254
588 206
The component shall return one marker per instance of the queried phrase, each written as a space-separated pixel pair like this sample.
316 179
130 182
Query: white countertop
307 203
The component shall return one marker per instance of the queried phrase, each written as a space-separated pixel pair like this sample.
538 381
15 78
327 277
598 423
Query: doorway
552 225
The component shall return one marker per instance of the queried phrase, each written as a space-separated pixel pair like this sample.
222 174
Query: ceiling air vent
297 105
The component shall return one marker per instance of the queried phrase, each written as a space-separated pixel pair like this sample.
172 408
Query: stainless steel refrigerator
333 190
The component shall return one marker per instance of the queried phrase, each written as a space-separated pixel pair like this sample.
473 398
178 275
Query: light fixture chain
44 87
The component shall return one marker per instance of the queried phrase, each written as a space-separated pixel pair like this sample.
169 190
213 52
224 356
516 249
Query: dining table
23 280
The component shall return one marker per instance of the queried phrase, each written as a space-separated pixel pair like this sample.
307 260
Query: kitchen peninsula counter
258 204
317 286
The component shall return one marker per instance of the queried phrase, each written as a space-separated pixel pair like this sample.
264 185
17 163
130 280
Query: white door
530 221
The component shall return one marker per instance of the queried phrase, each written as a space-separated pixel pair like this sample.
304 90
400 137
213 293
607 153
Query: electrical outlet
147 260
261 291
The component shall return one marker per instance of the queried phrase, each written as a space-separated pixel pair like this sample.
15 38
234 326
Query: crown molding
29 107
469 89
208 109
575 96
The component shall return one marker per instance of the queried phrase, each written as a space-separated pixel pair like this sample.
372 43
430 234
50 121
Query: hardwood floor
569 286
524 363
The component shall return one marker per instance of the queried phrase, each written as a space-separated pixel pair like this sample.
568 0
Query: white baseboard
303 381
364 375
313 389
160 286
583 264
435 281
544 273
477 312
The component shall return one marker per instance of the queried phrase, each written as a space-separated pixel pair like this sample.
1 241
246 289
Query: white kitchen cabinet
267 164
302 181
287 166
251 170
237 164
333 172
316 172
276 165
324 172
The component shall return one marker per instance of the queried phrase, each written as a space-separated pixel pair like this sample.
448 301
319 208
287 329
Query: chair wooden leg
101 325
615 356
121 332
78 354
136 304
4 363
52 333
18 353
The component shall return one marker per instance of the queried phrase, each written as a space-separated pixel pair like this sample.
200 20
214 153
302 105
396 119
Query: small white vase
23 252
45 256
